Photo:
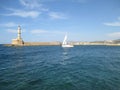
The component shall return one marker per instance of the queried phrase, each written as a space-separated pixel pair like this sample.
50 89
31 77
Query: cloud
14 31
118 18
23 13
114 34
112 24
10 24
116 23
57 15
58 32
31 3
40 31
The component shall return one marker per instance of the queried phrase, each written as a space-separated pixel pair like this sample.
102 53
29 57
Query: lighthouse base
17 42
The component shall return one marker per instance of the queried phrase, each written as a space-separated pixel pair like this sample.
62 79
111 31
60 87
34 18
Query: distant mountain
116 41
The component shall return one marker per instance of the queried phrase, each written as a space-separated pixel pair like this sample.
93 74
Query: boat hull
67 46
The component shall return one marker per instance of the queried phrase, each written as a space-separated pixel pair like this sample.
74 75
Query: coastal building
18 40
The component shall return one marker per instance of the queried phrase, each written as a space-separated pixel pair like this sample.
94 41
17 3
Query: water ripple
56 68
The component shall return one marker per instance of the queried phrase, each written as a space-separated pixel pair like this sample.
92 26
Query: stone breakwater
35 44
59 43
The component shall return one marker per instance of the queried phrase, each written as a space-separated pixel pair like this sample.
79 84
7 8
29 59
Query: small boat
65 44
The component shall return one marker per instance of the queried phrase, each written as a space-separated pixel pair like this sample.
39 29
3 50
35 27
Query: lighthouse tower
19 33
18 40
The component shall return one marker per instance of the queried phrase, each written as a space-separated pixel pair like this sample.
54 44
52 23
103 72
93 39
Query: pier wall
40 43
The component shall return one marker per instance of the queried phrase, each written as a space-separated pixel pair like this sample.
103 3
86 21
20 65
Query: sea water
57 68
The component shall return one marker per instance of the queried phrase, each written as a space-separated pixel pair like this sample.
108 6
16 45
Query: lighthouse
18 40
19 33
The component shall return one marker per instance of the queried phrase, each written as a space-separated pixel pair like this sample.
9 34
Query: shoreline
58 44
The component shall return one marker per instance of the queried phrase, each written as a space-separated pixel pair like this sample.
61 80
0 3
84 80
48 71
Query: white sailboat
65 44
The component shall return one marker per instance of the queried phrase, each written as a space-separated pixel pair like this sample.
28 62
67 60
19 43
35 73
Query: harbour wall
35 44
40 43
58 44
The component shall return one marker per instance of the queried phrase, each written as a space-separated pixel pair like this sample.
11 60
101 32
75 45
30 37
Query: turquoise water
57 68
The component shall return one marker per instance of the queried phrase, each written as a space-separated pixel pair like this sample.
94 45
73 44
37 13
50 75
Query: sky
50 20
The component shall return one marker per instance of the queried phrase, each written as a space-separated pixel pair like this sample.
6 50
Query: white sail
65 44
64 41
